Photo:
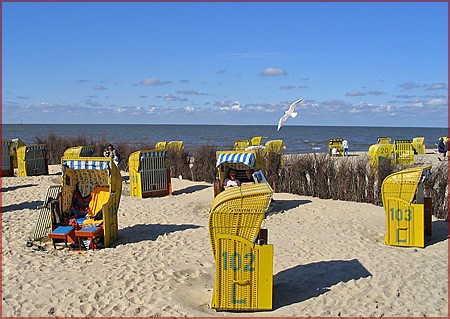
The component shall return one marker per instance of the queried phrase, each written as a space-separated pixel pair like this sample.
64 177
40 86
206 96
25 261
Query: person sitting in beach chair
231 181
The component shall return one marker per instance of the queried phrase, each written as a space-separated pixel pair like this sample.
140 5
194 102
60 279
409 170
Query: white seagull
288 113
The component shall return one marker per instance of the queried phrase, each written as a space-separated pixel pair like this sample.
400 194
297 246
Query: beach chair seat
90 233
62 233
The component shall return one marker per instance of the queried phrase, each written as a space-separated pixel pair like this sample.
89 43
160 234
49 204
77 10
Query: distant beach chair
418 145
32 160
7 159
404 153
383 140
240 145
161 146
16 143
274 146
243 257
99 182
337 144
79 151
175 146
256 141
378 152
149 174
408 211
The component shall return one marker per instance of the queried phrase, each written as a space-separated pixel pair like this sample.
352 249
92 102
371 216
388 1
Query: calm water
298 139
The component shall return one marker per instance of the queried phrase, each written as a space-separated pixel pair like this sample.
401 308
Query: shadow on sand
303 282
190 189
141 232
280 206
13 188
439 232
25 205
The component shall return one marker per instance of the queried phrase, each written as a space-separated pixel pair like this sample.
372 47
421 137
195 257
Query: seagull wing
294 105
282 120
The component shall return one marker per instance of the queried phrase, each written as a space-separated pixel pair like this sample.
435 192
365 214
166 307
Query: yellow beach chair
161 146
383 140
241 145
404 153
175 146
79 151
377 151
149 174
336 143
16 143
101 179
408 211
32 160
244 259
274 146
418 145
256 141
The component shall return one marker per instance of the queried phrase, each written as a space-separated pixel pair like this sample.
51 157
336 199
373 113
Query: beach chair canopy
404 184
246 158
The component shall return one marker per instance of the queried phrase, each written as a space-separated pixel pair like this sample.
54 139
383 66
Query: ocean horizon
298 139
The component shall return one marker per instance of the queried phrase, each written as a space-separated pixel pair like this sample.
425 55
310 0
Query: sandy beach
329 259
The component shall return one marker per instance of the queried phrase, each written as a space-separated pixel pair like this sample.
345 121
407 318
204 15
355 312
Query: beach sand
329 260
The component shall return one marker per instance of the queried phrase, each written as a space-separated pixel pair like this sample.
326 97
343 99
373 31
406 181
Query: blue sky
377 64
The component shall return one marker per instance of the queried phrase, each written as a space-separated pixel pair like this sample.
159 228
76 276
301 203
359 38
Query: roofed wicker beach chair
90 196
32 160
274 146
161 146
175 146
240 145
244 260
149 174
240 162
79 151
408 211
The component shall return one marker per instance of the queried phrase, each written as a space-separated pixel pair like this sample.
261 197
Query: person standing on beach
442 149
345 147
112 153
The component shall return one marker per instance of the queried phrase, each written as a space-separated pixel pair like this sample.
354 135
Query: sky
354 64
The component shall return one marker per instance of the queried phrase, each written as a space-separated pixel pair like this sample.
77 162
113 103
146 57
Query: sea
298 139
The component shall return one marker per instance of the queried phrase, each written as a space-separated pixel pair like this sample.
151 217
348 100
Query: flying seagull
288 113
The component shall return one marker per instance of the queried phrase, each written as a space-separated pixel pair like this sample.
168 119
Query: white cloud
437 102
437 86
189 92
189 109
236 106
375 92
272 71
171 98
153 82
